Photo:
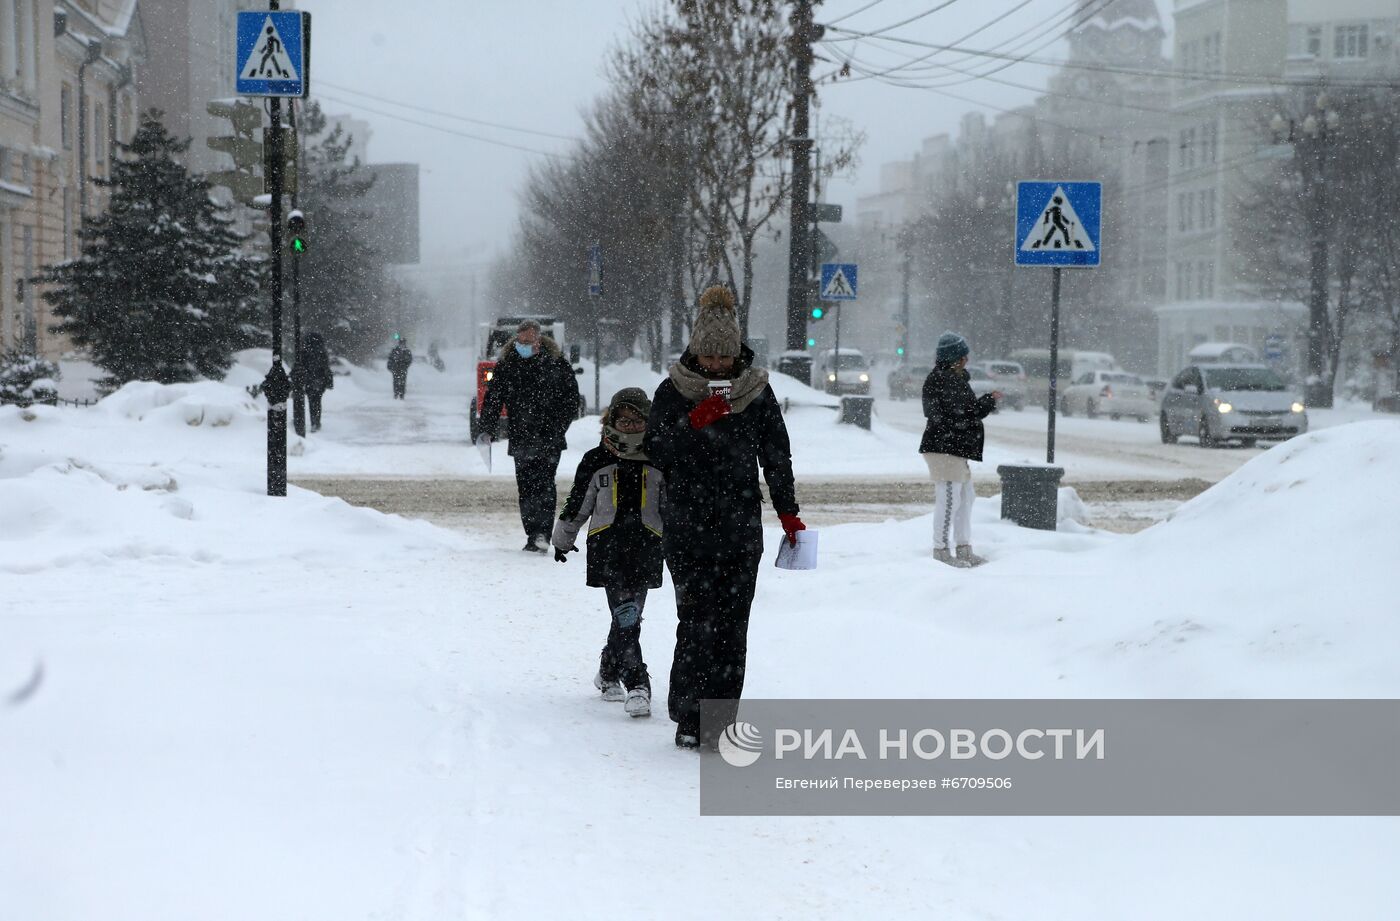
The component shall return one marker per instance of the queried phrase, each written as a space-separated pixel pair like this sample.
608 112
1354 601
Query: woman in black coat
709 442
953 436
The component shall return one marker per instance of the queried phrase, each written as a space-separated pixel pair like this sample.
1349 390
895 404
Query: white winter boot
612 689
638 702
969 558
942 555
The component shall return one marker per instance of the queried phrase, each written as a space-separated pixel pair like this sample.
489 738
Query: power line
904 22
1082 16
1206 76
453 115
440 128
1055 20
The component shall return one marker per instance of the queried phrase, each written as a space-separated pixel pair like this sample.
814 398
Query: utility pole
904 309
298 378
799 239
277 386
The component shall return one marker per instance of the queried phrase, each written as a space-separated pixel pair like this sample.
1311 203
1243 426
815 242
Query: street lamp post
1311 140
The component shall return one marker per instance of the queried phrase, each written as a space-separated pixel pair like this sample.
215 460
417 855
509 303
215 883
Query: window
65 116
1181 212
1191 147
1181 148
1349 42
1314 41
1208 208
68 222
99 134
1211 52
1205 281
4 165
1210 142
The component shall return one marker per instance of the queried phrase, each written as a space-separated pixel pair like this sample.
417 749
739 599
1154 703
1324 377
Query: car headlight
831 377
1297 407
865 378
1224 407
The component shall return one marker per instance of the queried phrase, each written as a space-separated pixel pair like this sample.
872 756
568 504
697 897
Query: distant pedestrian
313 367
618 494
535 385
714 422
399 360
954 435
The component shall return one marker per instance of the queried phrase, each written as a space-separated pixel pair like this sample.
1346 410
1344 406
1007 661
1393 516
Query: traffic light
811 343
243 146
818 312
899 351
296 232
246 148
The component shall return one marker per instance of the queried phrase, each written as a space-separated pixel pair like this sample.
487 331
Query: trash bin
796 364
1030 494
856 411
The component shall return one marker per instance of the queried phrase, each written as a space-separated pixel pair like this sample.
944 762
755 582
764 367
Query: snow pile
61 506
212 403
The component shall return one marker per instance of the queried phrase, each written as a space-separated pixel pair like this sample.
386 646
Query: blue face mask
524 351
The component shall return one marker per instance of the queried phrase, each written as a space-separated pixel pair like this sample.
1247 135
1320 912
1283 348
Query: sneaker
967 556
541 542
638 702
533 546
612 688
942 555
687 741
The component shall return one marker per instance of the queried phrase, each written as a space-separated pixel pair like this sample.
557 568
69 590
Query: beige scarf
696 387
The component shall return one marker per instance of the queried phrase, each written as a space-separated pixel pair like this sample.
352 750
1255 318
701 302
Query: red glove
791 525
711 409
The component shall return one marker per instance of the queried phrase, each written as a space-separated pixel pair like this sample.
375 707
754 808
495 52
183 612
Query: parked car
1010 378
1111 393
1218 403
1156 386
1071 365
846 372
907 382
983 383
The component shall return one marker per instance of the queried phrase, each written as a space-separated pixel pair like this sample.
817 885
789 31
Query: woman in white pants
953 436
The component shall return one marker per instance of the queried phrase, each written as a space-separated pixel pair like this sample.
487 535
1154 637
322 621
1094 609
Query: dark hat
951 347
634 397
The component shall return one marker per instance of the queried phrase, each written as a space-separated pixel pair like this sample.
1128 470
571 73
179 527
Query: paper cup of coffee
723 388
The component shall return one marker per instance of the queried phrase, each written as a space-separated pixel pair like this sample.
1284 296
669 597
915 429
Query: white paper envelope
483 444
803 556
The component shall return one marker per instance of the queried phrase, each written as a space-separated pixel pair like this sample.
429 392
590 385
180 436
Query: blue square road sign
839 281
1058 224
274 53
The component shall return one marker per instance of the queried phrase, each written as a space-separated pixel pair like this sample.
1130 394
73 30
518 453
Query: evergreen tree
162 291
26 378
345 286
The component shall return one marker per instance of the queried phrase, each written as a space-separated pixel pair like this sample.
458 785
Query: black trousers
713 598
400 385
313 402
534 481
621 659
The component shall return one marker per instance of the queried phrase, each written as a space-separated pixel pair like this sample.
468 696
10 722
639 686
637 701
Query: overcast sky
537 64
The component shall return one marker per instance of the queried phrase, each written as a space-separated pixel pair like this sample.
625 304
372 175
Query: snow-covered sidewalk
296 709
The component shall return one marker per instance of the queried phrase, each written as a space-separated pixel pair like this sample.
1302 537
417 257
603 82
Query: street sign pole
595 291
298 379
1057 225
277 385
1054 362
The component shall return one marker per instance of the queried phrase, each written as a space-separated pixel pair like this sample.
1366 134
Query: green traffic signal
811 343
899 351
818 313
298 245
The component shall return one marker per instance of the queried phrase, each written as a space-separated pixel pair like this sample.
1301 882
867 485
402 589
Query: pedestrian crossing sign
1058 223
274 53
839 281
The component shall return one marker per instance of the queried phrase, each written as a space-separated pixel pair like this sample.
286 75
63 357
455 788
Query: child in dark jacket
621 492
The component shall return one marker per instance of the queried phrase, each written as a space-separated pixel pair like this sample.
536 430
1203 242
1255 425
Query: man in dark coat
714 421
536 385
314 369
954 435
399 360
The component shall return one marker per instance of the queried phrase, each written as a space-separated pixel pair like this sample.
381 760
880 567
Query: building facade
67 97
